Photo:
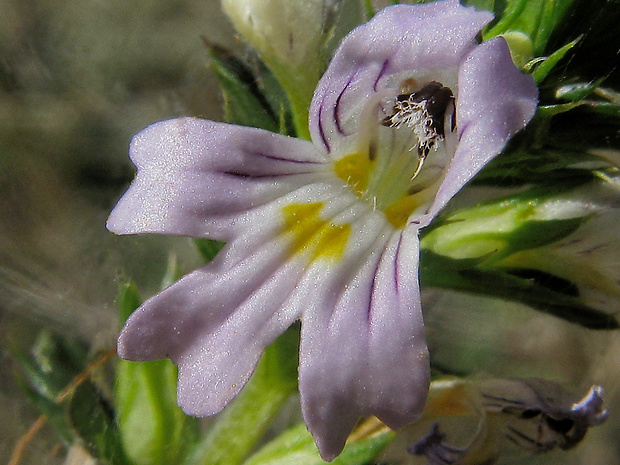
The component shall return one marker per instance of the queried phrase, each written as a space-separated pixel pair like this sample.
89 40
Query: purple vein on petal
319 178
381 240
384 68
237 174
461 129
371 289
321 130
337 105
396 261
286 160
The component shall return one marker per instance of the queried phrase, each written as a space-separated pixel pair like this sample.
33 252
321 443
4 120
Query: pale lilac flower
324 231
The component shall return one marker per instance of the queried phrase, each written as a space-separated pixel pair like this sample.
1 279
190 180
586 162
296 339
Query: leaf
542 70
53 363
152 428
492 231
549 169
244 102
128 300
208 248
588 125
54 412
541 291
92 417
296 447
51 374
507 248
536 18
577 91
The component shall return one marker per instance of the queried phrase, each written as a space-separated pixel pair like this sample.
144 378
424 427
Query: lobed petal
400 38
363 350
215 325
196 177
495 101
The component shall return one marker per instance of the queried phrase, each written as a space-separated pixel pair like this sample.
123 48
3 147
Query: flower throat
384 167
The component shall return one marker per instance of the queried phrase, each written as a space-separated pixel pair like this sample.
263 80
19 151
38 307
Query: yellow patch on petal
398 213
312 234
354 170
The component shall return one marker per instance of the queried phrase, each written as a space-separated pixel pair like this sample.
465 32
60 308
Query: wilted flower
533 414
409 110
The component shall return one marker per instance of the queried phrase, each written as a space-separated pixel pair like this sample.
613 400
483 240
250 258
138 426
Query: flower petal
215 325
495 101
399 38
363 350
196 176
215 322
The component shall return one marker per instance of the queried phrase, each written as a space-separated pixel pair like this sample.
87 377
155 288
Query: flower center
386 165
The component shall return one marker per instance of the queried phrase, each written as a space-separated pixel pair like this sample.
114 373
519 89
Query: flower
408 111
286 33
533 414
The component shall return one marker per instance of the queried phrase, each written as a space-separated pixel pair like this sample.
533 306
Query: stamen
421 159
424 113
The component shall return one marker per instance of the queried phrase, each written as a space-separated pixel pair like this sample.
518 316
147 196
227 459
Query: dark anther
436 100
530 413
562 426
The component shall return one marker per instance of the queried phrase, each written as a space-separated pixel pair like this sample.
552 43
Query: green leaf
507 248
242 424
208 248
576 91
296 447
488 5
490 232
555 151
128 300
521 47
544 67
585 125
173 272
153 429
91 416
536 18
369 9
550 169
54 412
541 291
244 102
54 363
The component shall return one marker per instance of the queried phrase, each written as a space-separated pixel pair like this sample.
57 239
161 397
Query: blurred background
77 80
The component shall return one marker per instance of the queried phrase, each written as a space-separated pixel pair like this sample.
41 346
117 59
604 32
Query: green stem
299 86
